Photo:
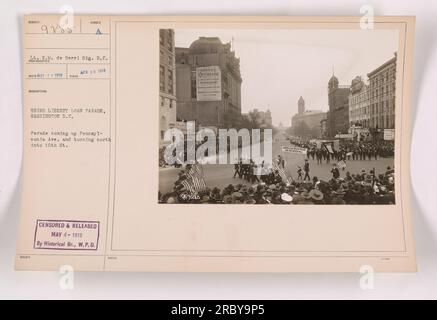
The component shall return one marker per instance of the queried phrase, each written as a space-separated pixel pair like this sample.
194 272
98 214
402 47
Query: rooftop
392 60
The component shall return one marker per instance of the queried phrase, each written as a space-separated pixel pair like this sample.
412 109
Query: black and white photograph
277 116
119 120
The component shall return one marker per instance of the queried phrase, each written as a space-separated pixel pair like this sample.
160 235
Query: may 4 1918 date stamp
66 235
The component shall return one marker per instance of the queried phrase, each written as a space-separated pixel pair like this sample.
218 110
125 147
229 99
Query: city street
222 175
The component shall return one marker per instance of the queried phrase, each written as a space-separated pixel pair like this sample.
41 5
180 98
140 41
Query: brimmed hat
297 198
316 195
340 191
300 189
267 195
215 190
345 186
230 187
237 195
250 201
356 188
171 200
286 197
307 185
227 199
366 184
205 199
216 196
244 189
306 195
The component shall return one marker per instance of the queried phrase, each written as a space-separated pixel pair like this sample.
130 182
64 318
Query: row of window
168 59
383 121
378 108
384 90
388 75
166 39
166 80
166 102
388 122
380 122
374 94
362 99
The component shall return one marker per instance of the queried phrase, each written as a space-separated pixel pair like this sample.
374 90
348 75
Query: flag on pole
282 173
342 164
195 180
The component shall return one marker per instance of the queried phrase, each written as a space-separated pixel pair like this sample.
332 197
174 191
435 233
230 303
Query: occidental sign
208 83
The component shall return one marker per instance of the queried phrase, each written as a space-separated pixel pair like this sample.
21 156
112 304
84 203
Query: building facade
338 100
220 111
311 118
359 103
324 127
382 95
167 82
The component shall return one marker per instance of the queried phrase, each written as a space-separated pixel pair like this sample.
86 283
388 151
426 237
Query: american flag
194 181
282 173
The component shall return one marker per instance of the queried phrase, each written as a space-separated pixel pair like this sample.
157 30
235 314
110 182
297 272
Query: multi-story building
311 118
324 126
338 99
208 83
359 103
167 81
382 93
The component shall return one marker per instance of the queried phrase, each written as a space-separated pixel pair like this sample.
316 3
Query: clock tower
301 106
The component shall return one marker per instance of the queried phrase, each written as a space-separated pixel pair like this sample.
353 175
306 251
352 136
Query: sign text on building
208 83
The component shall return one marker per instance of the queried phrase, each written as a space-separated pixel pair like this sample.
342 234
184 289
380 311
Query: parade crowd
348 150
269 184
361 188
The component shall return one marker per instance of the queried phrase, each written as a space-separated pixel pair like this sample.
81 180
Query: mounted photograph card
216 144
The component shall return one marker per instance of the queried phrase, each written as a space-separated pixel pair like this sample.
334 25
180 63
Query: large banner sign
349 136
389 134
208 83
329 146
295 150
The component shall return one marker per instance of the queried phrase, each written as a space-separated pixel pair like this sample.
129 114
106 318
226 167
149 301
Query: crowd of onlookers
360 188
269 185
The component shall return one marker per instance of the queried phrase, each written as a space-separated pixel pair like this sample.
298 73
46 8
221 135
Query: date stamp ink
66 235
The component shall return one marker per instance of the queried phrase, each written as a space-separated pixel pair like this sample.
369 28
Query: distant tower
301 106
332 84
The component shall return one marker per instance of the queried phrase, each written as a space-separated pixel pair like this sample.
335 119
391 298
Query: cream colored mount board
103 94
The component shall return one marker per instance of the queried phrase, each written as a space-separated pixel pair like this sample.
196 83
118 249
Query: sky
280 65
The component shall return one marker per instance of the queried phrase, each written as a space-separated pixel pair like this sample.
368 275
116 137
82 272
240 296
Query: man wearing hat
335 172
237 169
286 198
306 168
316 196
